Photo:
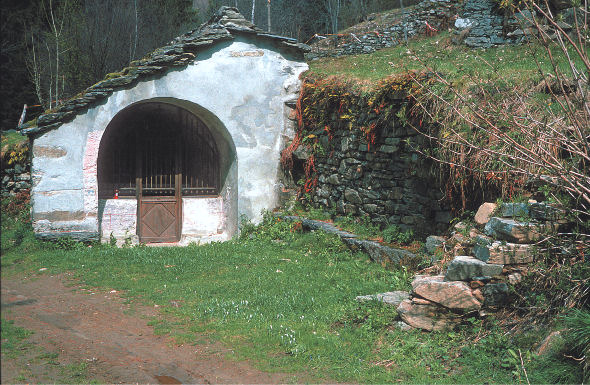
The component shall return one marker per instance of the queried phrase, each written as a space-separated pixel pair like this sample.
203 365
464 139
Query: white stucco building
176 147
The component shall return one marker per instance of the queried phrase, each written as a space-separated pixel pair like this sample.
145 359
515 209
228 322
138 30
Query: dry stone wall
427 17
385 181
486 25
16 171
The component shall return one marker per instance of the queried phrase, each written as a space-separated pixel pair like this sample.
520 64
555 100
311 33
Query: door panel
159 220
159 195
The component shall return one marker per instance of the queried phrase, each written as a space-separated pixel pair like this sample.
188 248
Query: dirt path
97 328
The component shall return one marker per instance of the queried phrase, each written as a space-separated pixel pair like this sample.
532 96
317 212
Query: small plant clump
394 234
577 335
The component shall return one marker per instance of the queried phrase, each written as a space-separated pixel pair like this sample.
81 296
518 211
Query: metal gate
158 153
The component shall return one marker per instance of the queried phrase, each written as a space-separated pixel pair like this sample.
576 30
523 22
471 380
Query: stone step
393 298
426 315
514 231
465 268
503 253
484 213
455 295
539 211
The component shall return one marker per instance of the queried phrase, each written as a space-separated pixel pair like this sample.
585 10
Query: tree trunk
253 8
268 14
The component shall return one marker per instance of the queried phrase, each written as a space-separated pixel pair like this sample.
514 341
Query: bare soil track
118 345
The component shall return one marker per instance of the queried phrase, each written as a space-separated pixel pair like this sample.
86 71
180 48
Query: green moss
113 75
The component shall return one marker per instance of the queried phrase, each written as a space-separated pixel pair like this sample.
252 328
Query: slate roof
225 25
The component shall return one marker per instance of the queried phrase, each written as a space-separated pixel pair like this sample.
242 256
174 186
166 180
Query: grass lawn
460 64
284 300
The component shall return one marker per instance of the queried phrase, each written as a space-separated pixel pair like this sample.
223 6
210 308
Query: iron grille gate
158 160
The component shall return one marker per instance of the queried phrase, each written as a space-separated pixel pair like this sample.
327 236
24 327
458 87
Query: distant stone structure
477 24
174 148
427 17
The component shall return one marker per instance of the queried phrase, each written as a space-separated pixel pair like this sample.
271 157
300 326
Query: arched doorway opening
158 155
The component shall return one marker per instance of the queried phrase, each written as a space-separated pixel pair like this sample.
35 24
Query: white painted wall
237 89
203 220
118 217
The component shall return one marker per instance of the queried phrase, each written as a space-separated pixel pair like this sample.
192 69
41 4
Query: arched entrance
159 154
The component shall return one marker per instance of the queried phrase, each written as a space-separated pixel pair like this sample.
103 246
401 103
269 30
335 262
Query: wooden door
159 194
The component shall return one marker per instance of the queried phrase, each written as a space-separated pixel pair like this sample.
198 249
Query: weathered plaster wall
119 218
238 89
203 219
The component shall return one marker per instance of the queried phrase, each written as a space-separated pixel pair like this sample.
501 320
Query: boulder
427 316
484 213
495 294
393 298
422 279
552 343
546 212
504 253
464 268
453 295
515 231
433 242
514 278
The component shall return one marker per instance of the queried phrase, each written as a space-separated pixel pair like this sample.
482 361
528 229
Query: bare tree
45 65
268 14
333 13
253 10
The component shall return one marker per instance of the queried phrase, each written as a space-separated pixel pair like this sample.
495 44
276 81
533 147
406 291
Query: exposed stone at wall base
427 315
379 253
81 236
470 286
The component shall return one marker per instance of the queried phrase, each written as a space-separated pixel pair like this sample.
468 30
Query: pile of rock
484 265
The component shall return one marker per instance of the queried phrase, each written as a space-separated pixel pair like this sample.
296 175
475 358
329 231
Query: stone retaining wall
16 177
387 182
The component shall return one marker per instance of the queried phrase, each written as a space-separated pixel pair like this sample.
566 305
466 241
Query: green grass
284 300
458 63
10 139
13 338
